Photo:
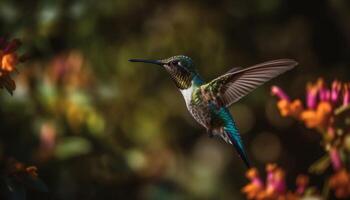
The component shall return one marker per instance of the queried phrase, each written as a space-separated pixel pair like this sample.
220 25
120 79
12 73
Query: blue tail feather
232 132
237 143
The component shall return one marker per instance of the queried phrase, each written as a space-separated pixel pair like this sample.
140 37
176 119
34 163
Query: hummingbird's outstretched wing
234 69
235 84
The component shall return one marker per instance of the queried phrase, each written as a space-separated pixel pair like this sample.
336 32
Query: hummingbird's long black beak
157 62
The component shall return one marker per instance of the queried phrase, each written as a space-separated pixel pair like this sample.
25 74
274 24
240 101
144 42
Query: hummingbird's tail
237 143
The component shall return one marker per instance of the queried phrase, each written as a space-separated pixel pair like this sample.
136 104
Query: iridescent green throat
182 81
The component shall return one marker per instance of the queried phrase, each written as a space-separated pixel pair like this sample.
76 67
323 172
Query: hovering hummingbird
208 102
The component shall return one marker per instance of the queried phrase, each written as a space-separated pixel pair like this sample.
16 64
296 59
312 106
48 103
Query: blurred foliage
98 127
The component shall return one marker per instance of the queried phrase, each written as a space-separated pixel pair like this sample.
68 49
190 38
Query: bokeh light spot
266 147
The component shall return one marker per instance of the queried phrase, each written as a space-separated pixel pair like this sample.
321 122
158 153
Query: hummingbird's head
180 68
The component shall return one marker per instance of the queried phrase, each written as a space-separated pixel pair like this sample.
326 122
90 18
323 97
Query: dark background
99 127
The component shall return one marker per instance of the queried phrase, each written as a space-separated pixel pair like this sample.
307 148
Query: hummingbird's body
210 114
208 102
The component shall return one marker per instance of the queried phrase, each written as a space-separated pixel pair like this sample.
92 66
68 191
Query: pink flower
275 188
346 95
255 187
330 132
335 159
302 182
311 96
275 180
325 95
47 136
279 93
336 87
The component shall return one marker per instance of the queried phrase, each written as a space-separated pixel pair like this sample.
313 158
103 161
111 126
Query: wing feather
235 84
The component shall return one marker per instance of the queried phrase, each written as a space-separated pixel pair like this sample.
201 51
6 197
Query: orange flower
283 106
26 176
318 118
8 61
287 108
275 187
340 183
320 102
19 170
275 181
255 187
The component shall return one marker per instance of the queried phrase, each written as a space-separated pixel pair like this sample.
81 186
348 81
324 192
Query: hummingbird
209 102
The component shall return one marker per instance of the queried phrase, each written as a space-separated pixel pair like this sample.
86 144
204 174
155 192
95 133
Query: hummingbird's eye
174 63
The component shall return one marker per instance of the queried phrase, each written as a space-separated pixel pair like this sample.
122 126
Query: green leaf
71 147
342 117
320 165
326 189
342 110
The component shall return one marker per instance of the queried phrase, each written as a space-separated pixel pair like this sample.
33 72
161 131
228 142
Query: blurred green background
99 127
